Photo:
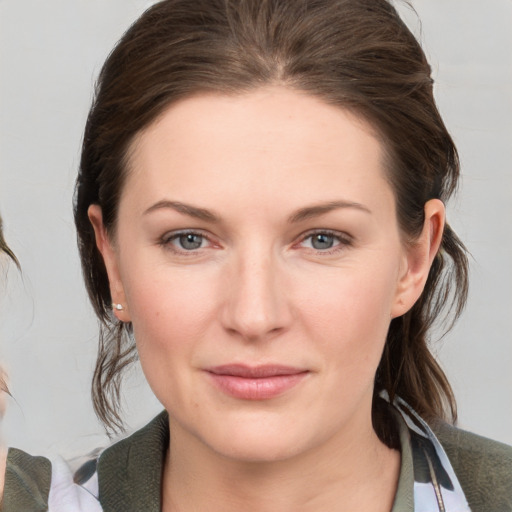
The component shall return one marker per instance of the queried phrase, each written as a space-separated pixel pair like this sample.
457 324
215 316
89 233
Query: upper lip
255 372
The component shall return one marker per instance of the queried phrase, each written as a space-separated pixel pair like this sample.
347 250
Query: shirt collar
435 487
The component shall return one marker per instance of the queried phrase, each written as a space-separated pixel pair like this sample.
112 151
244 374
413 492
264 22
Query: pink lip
255 382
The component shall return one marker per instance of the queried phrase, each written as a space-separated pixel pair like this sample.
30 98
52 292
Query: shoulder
3 462
483 467
37 484
130 470
27 482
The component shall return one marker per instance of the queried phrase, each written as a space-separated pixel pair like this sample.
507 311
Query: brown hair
4 248
356 54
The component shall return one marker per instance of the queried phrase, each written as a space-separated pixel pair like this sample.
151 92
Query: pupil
191 241
322 241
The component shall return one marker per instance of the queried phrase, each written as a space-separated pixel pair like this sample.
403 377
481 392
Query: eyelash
344 240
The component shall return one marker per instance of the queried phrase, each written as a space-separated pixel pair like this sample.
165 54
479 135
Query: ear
110 258
418 258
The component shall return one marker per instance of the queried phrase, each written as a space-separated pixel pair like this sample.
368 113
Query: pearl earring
118 307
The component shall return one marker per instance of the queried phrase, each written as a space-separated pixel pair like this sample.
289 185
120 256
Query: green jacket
130 470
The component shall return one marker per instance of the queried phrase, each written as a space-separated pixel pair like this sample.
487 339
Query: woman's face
258 256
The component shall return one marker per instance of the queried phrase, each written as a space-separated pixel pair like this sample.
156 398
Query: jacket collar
130 471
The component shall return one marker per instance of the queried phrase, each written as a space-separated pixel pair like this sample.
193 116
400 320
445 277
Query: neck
342 475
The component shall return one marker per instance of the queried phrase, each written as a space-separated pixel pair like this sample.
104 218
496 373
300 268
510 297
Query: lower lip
263 388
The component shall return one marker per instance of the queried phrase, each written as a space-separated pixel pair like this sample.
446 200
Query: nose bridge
256 305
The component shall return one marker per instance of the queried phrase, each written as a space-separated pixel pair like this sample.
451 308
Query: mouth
255 382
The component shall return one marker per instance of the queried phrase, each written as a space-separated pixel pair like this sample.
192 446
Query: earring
118 307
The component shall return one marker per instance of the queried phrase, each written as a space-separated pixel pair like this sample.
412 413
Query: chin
260 440
258 449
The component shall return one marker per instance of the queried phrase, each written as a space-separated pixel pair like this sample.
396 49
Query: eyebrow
186 209
323 208
300 215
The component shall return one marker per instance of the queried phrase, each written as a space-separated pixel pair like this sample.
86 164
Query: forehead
269 142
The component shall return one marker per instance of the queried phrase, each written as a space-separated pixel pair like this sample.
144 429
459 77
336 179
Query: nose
256 305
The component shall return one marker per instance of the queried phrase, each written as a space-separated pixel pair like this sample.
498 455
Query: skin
271 168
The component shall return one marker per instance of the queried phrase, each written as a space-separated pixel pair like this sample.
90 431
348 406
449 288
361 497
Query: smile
255 383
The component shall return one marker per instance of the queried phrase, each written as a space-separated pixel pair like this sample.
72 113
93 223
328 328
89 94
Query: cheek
350 316
171 317
170 311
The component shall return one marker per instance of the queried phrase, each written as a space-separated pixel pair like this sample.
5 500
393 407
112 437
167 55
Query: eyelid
169 235
325 231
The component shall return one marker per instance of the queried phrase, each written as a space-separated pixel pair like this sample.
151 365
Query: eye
190 241
184 241
325 241
322 241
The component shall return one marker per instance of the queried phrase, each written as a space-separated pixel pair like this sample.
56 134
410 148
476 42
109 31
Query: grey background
50 54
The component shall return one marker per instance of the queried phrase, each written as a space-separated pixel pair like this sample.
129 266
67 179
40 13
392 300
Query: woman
260 214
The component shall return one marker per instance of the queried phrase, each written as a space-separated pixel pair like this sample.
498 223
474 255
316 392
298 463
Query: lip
255 382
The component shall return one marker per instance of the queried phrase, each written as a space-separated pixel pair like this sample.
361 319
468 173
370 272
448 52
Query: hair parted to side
355 54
